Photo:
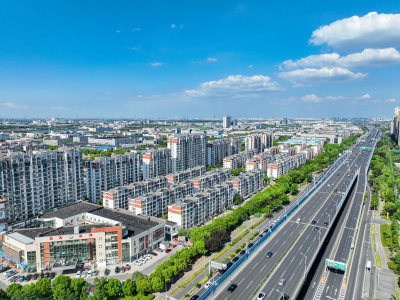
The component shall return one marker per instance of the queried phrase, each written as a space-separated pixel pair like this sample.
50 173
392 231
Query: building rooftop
136 224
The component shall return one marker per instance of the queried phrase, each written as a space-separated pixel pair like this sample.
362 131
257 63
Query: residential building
217 150
157 162
39 181
259 142
188 151
104 173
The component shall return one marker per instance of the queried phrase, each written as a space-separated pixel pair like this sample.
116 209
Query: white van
298 220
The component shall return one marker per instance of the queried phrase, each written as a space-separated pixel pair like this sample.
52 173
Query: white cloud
156 64
315 99
135 48
364 59
61 108
14 105
371 30
117 31
136 29
173 26
310 76
235 86
250 66
391 100
211 59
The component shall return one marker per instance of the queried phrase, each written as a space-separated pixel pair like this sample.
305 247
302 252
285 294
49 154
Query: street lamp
329 219
305 264
319 232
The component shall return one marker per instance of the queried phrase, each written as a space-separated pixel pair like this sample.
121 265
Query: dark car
123 270
313 222
52 275
325 223
269 254
266 230
260 236
232 287
250 245
106 272
284 297
316 228
45 275
242 252
117 270
235 259
28 277
194 297
35 276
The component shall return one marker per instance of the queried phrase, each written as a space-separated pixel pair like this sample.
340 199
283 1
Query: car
89 273
127 268
242 252
78 274
94 273
45 275
168 250
298 220
250 245
194 297
84 274
316 228
12 279
117 270
28 277
282 281
313 222
235 259
325 223
269 254
35 276
106 272
52 275
260 236
40 276
284 297
266 230
232 287
260 296
123 270
207 284
21 278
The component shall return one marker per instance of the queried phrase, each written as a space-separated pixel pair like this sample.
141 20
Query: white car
83 275
207 284
89 274
78 274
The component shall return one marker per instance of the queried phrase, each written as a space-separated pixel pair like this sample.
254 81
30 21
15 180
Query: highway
321 207
340 249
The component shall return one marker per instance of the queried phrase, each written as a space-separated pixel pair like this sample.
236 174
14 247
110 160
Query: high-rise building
395 127
39 181
219 149
226 122
157 162
104 173
188 151
260 141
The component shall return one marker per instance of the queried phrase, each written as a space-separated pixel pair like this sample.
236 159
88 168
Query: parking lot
146 265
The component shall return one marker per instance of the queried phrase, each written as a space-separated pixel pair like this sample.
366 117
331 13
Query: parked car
194 297
235 259
168 250
84 274
123 270
94 273
35 276
21 278
78 274
106 272
242 252
260 296
250 245
28 277
127 267
52 275
207 284
117 270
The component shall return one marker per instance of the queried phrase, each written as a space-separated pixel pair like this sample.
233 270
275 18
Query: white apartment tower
259 142
39 181
104 173
188 151
226 122
157 162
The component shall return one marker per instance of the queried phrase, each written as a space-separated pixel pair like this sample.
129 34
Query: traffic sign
335 264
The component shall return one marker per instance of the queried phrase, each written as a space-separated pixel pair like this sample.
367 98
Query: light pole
319 232
329 219
305 264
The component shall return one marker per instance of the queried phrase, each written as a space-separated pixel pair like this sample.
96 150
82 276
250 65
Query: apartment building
188 151
284 163
210 179
248 183
395 125
197 209
39 181
104 173
237 161
217 150
119 197
259 142
157 162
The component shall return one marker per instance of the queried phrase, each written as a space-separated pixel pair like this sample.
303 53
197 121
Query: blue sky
127 59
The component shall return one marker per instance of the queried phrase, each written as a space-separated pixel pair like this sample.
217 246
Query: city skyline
199 60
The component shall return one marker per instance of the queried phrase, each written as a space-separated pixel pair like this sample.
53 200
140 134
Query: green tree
3 295
157 283
79 285
237 199
129 287
113 288
389 207
43 286
136 275
13 290
184 232
143 285
100 292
